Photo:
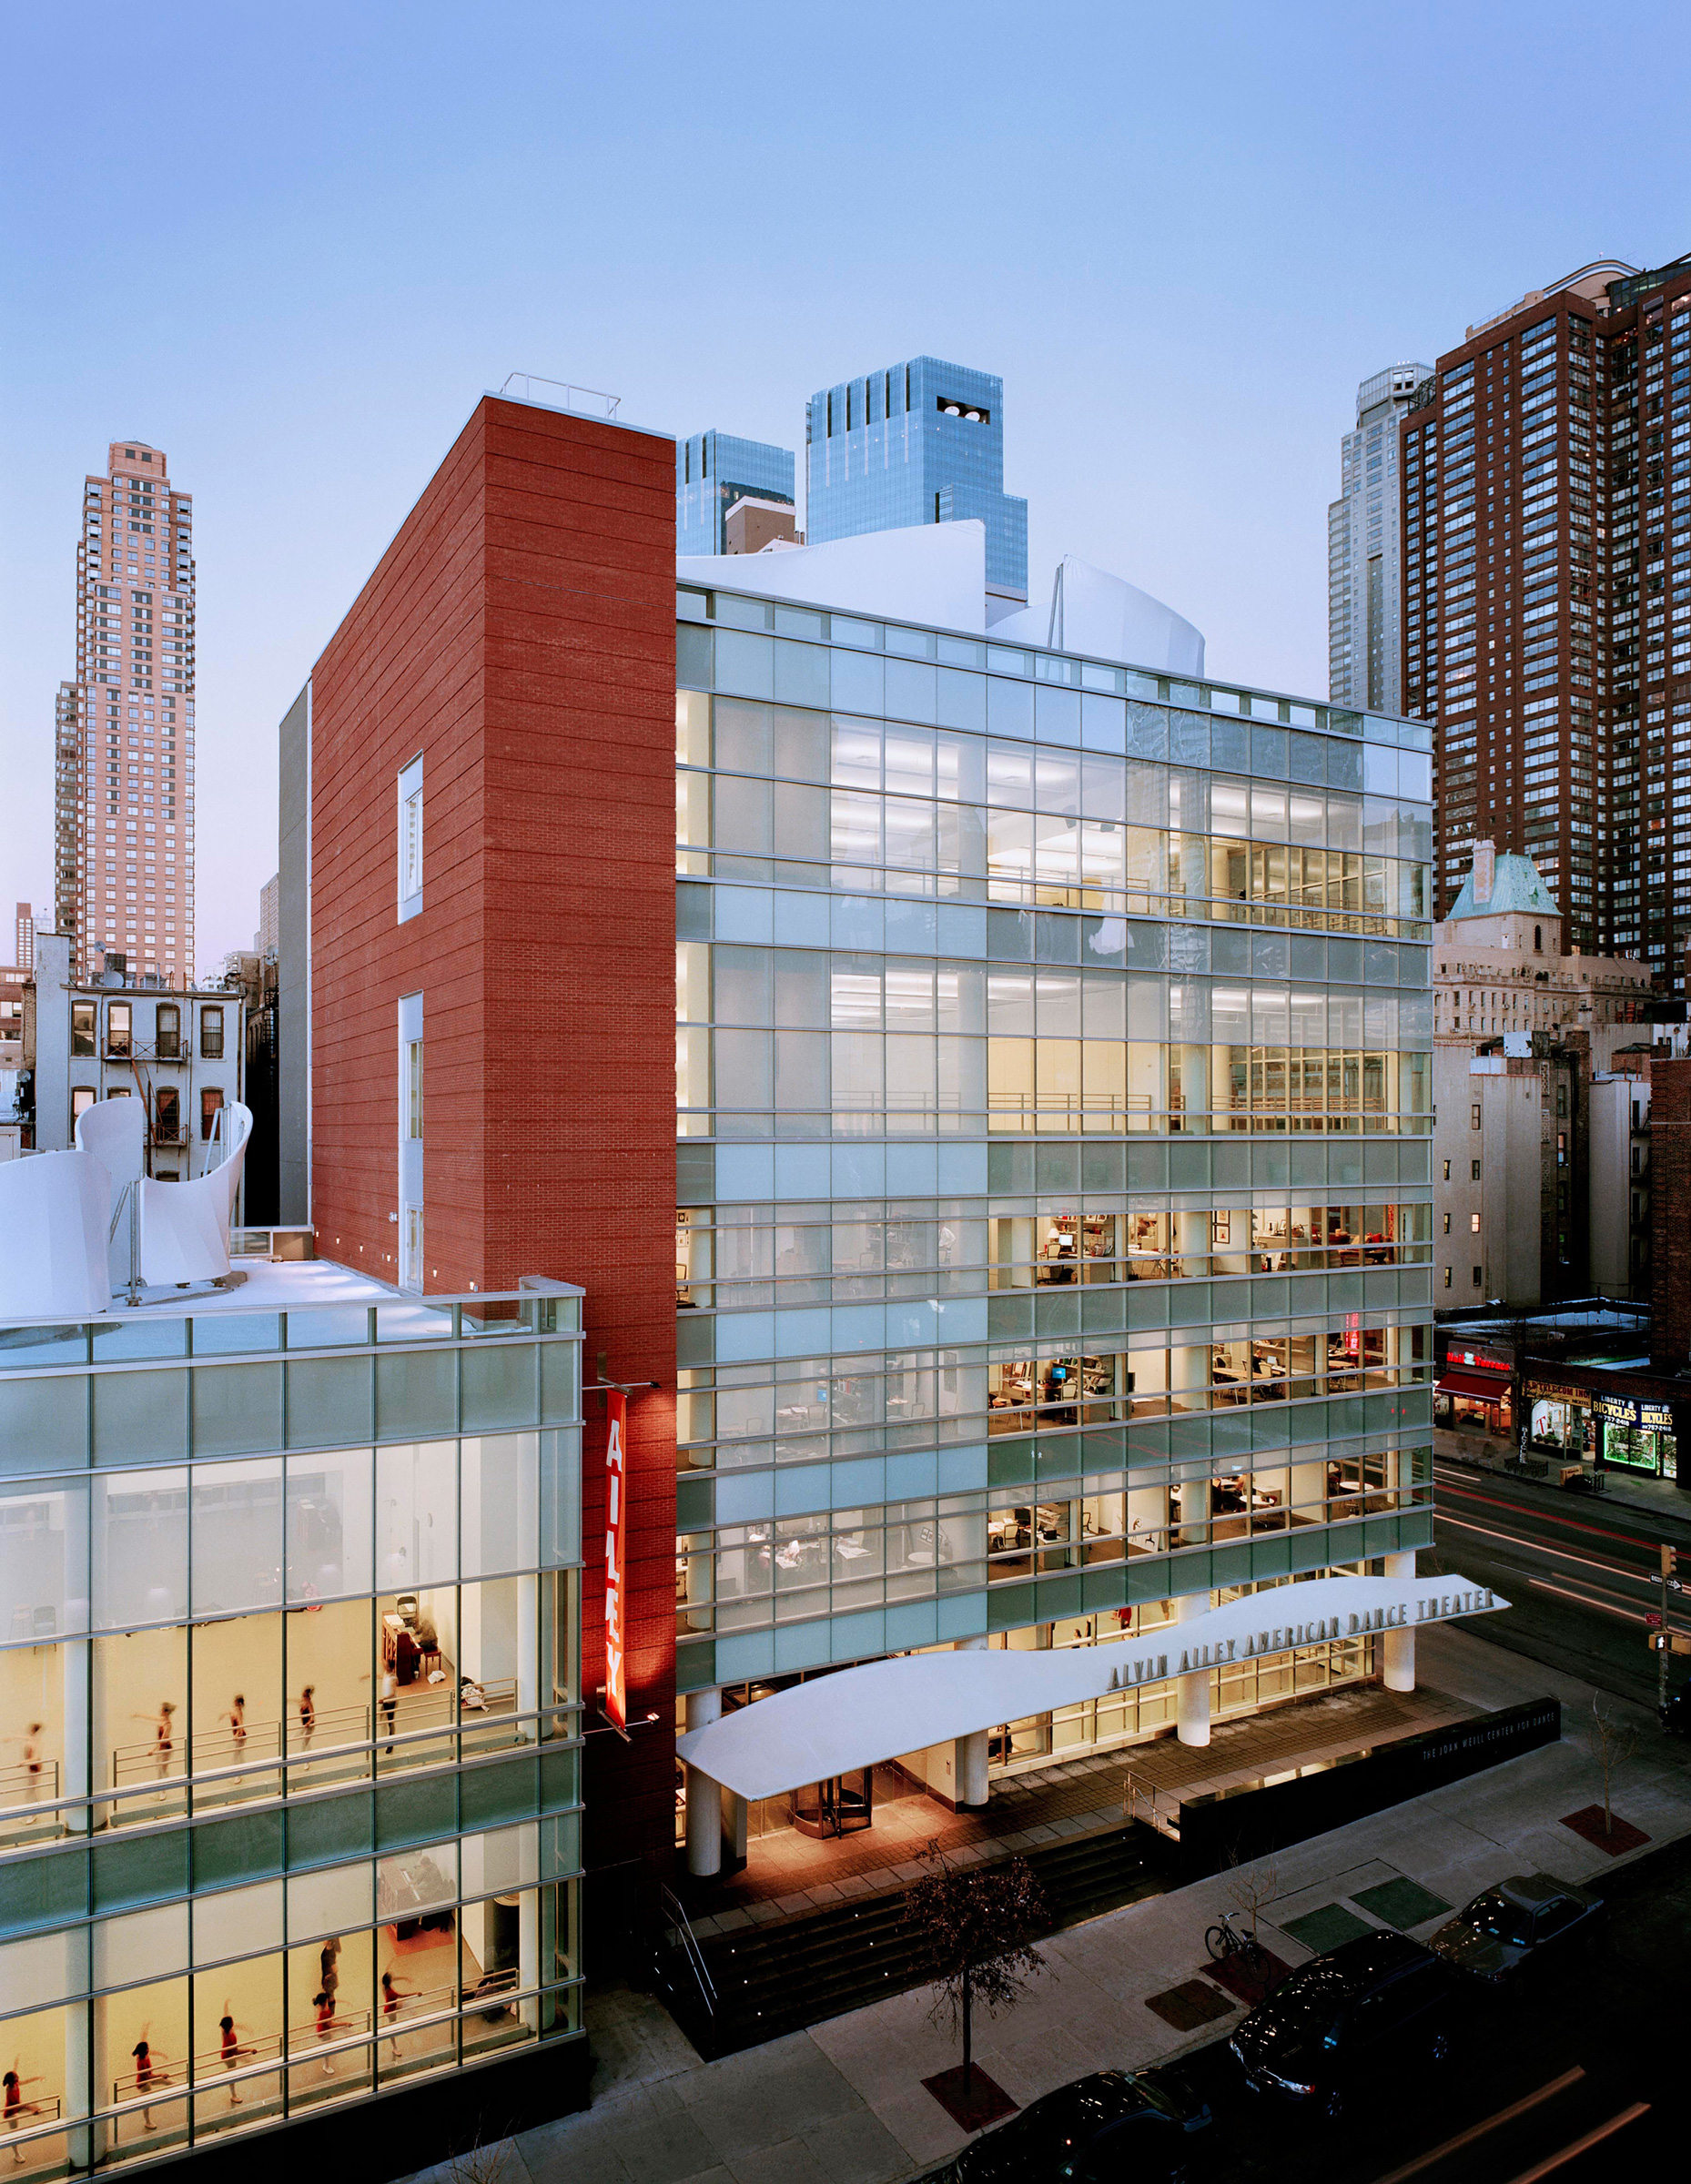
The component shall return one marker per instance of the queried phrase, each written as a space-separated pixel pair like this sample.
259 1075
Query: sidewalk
1622 1489
843 2103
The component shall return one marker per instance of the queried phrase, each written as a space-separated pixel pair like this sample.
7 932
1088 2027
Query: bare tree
1252 1887
974 1928
1612 1742
482 2161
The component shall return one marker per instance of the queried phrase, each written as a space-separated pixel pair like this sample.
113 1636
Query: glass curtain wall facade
1054 1093
715 469
289 1804
918 442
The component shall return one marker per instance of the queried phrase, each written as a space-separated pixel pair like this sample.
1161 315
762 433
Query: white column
529 1655
969 1756
1194 1687
74 1771
529 1954
705 1797
733 1824
1399 1646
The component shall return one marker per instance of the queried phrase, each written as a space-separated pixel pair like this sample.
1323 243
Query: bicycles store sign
1633 1410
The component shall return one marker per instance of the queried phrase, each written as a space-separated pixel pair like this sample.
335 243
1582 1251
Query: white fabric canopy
834 1725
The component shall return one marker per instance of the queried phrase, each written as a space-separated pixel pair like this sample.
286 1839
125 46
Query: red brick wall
519 634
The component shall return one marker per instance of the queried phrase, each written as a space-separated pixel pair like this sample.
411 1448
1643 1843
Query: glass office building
1053 1106
715 469
917 443
289 1810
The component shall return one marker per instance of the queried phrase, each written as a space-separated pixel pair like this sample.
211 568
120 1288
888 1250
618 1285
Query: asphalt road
1579 2075
1581 1576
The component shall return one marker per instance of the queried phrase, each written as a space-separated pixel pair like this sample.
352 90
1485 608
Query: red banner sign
616 1494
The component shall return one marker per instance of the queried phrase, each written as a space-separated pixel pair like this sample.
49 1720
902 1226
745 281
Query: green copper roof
1517 886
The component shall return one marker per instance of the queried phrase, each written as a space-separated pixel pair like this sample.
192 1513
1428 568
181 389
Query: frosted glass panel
139 1523
238 1535
144 1944
44 1561
499 1492
329 1524
238 1922
503 1858
416 1515
329 1902
416 1880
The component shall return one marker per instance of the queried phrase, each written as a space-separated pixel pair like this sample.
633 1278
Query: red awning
1478 1386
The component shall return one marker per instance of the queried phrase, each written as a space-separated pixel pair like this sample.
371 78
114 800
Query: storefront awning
1478 1386
834 1724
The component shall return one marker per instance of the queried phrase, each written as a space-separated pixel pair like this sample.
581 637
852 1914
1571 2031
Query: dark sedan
1114 2124
1341 2025
1508 1930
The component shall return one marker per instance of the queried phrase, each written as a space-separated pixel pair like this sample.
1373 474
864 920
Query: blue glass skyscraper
715 469
920 442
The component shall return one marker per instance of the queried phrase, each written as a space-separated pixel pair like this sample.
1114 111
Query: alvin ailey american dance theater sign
834 1725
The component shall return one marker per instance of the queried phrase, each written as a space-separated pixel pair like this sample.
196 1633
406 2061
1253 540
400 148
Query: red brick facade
518 634
1670 1215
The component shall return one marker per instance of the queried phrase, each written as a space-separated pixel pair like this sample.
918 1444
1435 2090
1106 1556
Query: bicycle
1222 1941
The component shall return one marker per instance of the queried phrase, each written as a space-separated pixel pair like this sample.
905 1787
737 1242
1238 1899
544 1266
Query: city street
1576 2061
1582 1574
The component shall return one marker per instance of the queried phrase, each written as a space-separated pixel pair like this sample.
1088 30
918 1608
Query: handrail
37 1780
690 1947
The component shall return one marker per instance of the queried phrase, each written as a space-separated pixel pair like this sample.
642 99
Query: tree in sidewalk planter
1612 1742
975 1926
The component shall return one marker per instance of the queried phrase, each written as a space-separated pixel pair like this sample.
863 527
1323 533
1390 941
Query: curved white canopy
834 1725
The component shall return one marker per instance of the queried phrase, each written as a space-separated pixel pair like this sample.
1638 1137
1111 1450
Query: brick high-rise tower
1546 493
123 867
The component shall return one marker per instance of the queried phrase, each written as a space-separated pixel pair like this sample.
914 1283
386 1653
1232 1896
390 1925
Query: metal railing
593 402
333 1732
686 1941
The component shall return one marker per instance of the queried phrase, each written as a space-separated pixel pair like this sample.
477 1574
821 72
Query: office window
411 840
1473 1116
1473 1223
211 1033
1447 1224
83 1027
1447 1171
1447 1276
1476 1278
211 1106
414 1093
1475 1167
119 1021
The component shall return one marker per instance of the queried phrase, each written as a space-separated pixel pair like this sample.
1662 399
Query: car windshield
1497 1919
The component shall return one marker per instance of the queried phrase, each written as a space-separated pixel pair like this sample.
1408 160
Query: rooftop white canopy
833 1724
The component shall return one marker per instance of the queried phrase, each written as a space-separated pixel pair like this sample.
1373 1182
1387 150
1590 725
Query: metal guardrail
594 401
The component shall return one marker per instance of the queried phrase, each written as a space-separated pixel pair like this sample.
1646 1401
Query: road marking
1584 2145
1562 1554
1478 2130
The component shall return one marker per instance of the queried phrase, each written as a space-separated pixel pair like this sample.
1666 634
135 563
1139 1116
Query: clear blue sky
292 245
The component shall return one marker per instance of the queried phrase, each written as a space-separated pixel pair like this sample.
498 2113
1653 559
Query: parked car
1113 2124
1507 1930
1675 1716
1343 2023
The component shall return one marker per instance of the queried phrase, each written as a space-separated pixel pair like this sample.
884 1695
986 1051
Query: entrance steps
778 1978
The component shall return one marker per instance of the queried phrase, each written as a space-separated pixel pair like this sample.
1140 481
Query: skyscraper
918 442
1364 578
1546 484
124 805
715 469
24 957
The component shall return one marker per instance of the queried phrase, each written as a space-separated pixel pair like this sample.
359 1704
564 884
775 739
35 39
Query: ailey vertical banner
616 1499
